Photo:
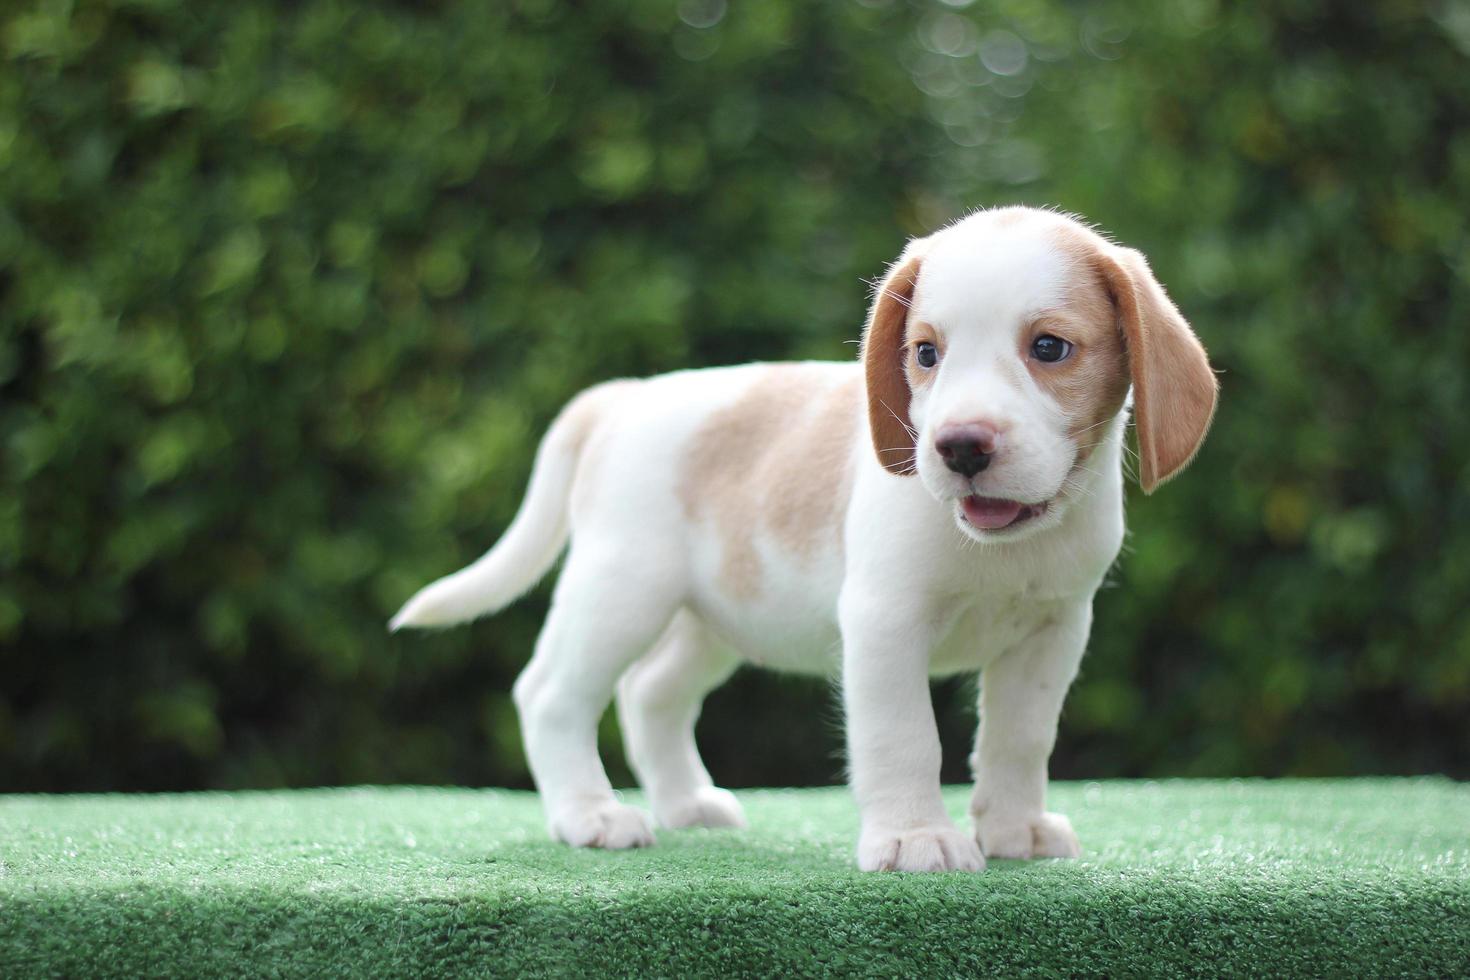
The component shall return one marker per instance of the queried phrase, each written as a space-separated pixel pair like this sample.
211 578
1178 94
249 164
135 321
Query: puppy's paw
937 848
1043 835
606 824
708 807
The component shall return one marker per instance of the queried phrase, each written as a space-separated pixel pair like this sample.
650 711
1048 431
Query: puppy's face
999 353
1015 366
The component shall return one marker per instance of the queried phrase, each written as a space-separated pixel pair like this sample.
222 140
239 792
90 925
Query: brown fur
1125 326
1174 389
885 357
1092 384
778 459
920 332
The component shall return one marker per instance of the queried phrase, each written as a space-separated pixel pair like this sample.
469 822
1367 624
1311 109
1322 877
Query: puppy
948 505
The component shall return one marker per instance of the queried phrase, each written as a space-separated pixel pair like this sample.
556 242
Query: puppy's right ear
883 353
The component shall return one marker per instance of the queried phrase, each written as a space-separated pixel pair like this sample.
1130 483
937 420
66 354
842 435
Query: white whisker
899 298
913 433
1093 426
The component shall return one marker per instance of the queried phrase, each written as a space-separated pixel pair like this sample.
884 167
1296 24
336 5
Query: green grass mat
1358 877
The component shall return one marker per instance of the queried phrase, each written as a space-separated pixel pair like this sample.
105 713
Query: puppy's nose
967 448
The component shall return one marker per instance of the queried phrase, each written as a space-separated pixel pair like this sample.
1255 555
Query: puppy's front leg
1020 700
893 743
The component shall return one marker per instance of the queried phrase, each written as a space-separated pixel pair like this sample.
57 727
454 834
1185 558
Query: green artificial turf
1360 877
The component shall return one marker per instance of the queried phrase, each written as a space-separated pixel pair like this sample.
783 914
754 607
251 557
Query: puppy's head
999 352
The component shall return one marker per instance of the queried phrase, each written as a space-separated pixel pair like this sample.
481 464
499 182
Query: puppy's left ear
883 354
1174 389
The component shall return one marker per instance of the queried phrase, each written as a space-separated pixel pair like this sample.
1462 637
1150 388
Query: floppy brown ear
883 356
1174 389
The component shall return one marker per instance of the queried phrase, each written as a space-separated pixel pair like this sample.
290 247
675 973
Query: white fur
906 590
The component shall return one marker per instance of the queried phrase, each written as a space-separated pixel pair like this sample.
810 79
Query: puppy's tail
534 539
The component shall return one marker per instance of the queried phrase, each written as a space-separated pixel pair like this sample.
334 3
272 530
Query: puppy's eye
926 354
1048 348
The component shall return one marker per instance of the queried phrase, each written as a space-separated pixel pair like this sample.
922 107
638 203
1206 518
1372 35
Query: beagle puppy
950 504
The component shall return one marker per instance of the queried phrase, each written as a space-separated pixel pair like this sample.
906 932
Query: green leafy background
289 290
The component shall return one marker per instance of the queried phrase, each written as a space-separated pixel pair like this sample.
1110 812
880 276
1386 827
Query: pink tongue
989 513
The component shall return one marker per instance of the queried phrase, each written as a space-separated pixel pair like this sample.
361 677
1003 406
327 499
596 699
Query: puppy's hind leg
604 615
658 703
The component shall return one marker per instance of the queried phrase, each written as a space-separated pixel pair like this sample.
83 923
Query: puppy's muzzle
967 448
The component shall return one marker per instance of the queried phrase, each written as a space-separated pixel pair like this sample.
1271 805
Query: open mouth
995 514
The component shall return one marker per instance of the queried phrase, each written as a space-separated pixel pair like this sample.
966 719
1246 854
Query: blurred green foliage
289 290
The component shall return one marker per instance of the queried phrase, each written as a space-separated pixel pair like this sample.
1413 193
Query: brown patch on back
778 460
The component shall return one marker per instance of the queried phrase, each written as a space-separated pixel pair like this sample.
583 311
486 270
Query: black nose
967 449
964 457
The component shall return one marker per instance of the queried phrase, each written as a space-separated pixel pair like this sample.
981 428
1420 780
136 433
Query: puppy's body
710 475
769 513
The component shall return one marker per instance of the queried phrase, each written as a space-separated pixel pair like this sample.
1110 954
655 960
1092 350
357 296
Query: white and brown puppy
950 504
